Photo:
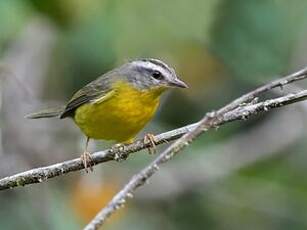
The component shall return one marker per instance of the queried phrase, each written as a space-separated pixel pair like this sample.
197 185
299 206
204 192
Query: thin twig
211 120
41 174
299 75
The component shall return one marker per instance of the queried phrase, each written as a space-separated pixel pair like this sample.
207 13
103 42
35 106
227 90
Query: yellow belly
121 116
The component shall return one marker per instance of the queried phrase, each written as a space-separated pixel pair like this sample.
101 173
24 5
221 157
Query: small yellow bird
118 104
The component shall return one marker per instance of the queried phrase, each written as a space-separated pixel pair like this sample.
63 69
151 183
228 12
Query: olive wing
95 90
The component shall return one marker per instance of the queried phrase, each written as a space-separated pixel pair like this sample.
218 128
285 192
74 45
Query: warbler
118 104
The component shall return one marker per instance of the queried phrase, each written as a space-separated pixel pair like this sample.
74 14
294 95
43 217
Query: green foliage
13 16
255 38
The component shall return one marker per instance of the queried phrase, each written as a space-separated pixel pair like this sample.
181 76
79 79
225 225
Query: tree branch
211 120
264 141
242 112
281 82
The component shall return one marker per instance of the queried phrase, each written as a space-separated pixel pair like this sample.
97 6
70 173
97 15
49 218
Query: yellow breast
120 116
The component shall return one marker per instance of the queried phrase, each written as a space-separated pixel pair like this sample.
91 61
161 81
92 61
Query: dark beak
178 83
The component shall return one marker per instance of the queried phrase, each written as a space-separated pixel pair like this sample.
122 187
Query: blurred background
245 175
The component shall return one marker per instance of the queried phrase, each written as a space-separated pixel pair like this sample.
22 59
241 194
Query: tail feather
46 113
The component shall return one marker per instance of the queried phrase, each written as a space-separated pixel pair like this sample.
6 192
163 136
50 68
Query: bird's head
150 74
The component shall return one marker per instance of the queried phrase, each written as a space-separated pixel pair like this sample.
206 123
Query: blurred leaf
13 15
254 38
89 197
153 27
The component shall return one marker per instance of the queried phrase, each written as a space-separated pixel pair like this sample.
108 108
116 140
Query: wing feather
104 97
95 90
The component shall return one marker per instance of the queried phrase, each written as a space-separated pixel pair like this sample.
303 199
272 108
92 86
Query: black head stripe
158 63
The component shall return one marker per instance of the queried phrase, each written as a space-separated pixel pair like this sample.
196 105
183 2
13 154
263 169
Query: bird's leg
151 140
86 157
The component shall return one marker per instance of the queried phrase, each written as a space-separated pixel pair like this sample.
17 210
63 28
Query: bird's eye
157 75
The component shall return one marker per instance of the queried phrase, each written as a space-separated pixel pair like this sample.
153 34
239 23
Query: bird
118 104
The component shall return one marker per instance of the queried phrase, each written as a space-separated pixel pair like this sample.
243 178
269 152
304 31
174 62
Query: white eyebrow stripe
149 65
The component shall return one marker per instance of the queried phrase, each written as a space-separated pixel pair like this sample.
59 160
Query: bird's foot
151 140
87 161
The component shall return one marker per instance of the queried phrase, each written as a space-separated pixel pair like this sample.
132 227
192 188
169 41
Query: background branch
222 159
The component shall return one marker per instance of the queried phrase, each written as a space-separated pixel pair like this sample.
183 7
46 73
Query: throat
151 94
146 96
